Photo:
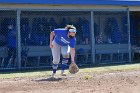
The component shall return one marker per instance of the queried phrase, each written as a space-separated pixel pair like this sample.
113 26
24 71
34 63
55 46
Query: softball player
62 41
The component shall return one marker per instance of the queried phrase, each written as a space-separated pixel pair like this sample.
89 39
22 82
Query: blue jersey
11 39
61 38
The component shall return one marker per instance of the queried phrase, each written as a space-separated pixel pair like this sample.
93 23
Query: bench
82 57
135 49
110 49
38 51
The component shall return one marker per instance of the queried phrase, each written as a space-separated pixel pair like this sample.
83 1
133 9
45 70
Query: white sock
53 74
62 72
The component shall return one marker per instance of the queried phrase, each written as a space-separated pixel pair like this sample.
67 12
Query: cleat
63 74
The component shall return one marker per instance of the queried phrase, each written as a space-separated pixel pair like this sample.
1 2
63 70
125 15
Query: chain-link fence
110 36
35 32
8 39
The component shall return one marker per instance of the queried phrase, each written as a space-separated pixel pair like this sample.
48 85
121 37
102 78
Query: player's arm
52 34
72 52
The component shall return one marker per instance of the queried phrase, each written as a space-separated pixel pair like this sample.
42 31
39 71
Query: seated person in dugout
40 36
25 38
11 44
86 31
2 39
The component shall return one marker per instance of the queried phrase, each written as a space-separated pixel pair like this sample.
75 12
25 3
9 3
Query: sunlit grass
25 74
112 68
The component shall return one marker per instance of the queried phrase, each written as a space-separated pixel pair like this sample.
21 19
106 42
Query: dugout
103 35
135 33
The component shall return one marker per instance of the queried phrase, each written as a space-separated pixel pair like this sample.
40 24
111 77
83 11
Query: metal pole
18 40
92 38
128 27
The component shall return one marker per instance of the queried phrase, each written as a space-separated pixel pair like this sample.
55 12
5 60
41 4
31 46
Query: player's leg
65 53
56 57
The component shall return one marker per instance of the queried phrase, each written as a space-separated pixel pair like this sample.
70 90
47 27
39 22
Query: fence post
92 38
18 40
129 38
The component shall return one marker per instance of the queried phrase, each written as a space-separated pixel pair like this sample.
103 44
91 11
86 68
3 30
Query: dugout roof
76 2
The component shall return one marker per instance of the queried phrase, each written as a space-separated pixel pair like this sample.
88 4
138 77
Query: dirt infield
115 82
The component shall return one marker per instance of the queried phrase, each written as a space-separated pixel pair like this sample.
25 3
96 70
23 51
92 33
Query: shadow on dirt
49 79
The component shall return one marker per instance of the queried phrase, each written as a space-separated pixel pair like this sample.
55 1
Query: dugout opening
135 35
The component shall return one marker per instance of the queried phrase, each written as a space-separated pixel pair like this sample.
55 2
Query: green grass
82 70
112 68
25 74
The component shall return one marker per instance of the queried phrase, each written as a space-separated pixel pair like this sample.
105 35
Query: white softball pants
57 50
